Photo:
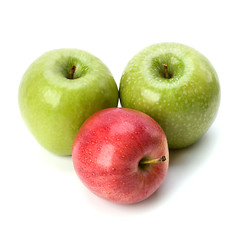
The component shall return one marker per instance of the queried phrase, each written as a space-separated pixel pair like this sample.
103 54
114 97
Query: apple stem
72 71
166 74
161 159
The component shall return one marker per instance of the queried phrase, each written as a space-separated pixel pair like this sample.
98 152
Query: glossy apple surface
113 153
59 91
177 86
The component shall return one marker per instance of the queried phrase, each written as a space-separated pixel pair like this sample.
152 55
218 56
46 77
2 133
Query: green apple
59 91
177 86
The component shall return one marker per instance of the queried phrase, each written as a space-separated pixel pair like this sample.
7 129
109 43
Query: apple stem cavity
150 161
166 73
72 71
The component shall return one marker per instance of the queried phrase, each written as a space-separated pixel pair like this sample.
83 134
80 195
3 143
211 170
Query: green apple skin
54 106
184 102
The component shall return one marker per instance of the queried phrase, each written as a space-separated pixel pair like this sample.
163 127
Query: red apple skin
107 151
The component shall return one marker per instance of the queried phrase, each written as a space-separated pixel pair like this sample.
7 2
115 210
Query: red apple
121 155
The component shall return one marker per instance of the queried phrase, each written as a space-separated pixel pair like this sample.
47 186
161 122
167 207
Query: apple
121 155
177 86
59 91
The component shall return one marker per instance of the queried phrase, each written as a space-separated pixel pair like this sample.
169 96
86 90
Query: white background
41 196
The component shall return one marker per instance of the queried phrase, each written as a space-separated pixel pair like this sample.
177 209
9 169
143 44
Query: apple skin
107 151
54 106
186 104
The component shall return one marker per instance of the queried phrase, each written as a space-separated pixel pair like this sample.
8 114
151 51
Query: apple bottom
132 187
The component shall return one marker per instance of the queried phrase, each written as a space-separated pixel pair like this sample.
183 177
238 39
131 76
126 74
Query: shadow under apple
58 163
